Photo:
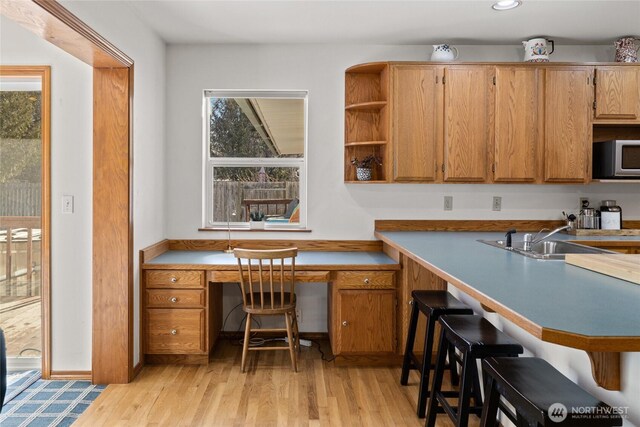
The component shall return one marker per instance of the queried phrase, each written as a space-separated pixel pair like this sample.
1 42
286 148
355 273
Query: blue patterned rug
17 383
49 403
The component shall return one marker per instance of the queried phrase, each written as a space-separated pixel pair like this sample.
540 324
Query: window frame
209 163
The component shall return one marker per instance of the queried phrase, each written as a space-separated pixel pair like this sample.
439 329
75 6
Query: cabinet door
568 128
516 124
618 93
365 321
414 122
467 103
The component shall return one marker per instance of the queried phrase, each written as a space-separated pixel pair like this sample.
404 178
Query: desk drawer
180 331
175 279
175 298
365 279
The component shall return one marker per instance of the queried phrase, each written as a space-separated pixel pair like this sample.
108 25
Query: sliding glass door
23 114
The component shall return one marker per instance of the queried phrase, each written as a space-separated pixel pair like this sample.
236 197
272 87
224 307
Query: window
255 158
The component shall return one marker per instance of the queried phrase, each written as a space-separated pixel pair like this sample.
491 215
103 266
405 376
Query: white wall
71 154
72 163
118 23
336 210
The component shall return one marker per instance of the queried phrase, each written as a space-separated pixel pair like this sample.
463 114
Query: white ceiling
388 22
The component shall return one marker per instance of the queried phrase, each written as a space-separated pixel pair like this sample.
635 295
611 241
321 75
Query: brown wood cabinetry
415 130
617 94
361 314
486 122
568 128
177 307
467 122
517 121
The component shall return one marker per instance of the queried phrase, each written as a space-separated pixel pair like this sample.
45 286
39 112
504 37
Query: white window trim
210 162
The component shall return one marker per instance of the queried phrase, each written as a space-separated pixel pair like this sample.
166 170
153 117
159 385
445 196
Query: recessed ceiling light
506 4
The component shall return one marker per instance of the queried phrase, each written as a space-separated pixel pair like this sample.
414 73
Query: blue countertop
550 293
304 259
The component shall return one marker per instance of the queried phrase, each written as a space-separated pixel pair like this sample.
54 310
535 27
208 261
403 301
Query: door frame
112 287
44 72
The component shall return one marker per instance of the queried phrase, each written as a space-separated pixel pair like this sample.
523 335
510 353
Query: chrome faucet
530 240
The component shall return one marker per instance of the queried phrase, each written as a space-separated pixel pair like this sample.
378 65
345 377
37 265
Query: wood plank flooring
269 394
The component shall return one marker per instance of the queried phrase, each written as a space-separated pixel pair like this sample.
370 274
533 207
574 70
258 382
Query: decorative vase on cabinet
363 174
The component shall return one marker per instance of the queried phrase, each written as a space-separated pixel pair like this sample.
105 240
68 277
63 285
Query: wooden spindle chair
268 289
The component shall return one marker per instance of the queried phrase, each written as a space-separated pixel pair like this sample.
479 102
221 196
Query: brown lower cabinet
361 314
181 316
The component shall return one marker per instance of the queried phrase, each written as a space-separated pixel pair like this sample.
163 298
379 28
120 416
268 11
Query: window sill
261 230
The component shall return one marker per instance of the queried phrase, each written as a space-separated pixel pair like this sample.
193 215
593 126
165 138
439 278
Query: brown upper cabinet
415 131
568 129
468 96
486 122
517 123
617 94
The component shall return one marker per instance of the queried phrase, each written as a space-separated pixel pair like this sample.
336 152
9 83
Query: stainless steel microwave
617 158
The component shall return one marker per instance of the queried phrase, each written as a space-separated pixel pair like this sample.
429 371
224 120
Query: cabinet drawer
175 298
365 279
175 279
179 331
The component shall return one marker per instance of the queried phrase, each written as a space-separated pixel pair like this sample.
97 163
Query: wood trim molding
112 228
303 245
44 72
464 225
71 375
51 21
152 251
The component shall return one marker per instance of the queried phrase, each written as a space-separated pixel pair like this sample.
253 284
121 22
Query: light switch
67 204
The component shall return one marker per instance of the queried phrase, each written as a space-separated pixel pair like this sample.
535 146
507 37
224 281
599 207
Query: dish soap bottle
610 215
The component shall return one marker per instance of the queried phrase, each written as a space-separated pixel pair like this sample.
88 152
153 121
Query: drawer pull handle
174 332
366 281
411 302
173 299
345 323
174 280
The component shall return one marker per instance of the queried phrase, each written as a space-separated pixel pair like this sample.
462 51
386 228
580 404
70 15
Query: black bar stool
541 396
432 304
476 338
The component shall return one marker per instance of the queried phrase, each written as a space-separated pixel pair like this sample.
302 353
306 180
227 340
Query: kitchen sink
547 249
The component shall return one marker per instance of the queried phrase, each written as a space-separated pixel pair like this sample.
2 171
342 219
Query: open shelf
366 106
367 120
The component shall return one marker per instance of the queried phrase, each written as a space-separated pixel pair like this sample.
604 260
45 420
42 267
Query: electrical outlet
448 203
299 315
584 202
497 203
67 204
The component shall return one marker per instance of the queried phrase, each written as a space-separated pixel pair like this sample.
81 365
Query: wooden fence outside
228 197
20 199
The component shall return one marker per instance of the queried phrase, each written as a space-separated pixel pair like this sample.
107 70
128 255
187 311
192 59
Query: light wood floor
269 394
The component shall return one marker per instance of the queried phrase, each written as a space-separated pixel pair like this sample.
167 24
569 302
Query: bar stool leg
490 408
468 367
477 394
411 338
453 366
426 368
436 385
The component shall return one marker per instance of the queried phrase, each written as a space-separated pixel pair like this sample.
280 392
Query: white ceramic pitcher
444 53
535 50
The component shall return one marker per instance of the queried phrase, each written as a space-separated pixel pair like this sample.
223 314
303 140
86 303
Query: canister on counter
610 215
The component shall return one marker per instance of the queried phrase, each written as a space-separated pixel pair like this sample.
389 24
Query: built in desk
182 299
